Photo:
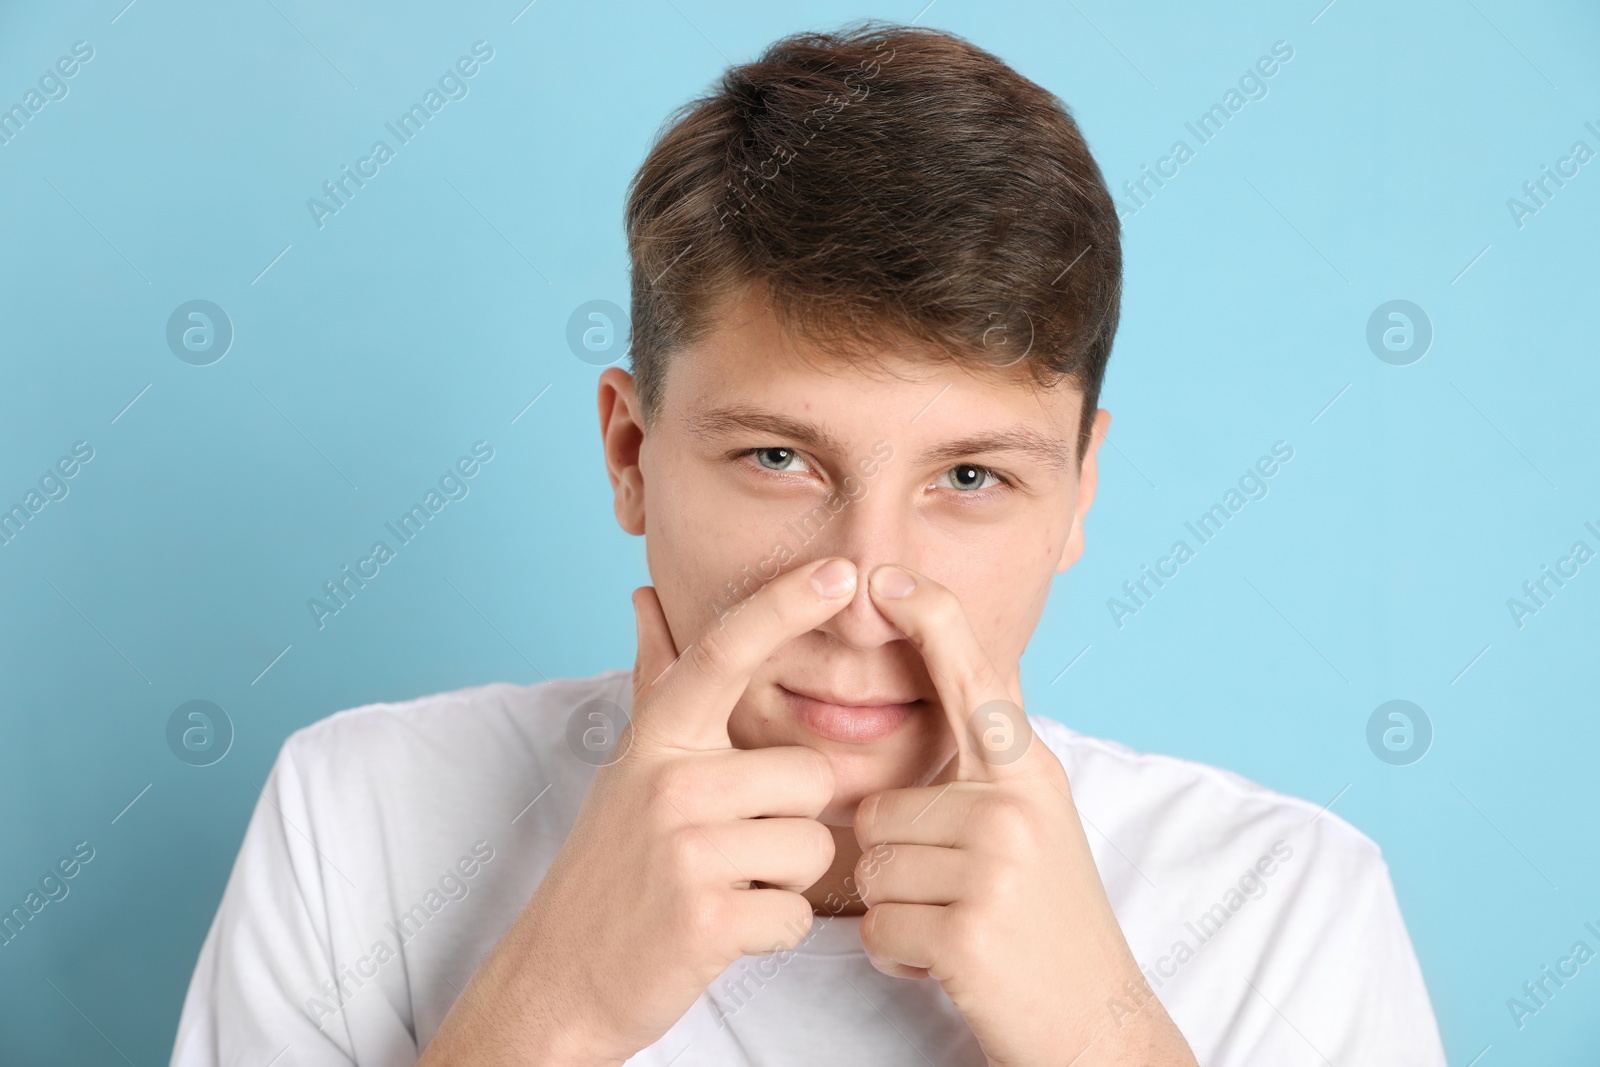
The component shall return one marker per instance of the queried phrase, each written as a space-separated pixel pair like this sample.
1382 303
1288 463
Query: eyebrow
725 421
1043 448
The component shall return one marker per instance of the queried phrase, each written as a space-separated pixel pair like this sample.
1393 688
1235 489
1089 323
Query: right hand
652 896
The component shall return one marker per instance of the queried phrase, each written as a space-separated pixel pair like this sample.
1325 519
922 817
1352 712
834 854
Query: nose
868 531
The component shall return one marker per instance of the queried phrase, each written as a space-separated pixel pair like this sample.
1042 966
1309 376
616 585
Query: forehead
748 368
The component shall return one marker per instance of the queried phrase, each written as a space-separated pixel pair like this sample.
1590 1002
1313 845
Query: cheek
751 725
1004 598
696 544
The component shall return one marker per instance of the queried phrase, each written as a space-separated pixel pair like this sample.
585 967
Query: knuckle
818 770
871 869
789 926
819 847
999 884
711 656
864 878
944 606
967 937
686 855
765 610
871 931
804 772
707 917
681 788
866 817
1008 824
797 918
659 818
943 610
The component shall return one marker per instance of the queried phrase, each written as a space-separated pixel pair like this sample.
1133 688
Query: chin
857 776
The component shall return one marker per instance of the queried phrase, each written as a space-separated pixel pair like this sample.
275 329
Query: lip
853 723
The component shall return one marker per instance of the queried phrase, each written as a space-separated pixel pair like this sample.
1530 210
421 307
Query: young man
875 282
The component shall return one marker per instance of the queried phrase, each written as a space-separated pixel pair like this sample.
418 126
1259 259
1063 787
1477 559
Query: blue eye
967 477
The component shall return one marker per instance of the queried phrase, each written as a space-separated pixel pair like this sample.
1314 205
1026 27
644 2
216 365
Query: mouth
848 720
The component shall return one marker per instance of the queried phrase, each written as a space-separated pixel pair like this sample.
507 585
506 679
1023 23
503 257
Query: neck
835 893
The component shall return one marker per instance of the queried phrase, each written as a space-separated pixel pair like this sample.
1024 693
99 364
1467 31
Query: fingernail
834 579
892 583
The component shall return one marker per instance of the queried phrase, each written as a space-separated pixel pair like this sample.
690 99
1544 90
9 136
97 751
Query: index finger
690 704
993 737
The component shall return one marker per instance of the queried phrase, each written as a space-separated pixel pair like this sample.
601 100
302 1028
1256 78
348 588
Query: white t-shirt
395 843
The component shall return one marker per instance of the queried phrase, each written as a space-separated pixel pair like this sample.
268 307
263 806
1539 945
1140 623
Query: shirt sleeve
264 991
1390 1015
1344 986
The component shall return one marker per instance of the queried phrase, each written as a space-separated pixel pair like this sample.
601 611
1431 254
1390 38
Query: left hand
984 880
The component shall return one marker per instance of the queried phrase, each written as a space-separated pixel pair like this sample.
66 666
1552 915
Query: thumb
656 649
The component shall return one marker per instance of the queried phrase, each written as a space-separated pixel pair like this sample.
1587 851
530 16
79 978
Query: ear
1088 481
622 437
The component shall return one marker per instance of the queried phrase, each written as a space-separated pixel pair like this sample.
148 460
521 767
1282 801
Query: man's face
766 453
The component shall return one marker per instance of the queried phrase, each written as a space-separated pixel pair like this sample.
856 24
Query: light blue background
429 312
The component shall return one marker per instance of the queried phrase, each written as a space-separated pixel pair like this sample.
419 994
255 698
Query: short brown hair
884 184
